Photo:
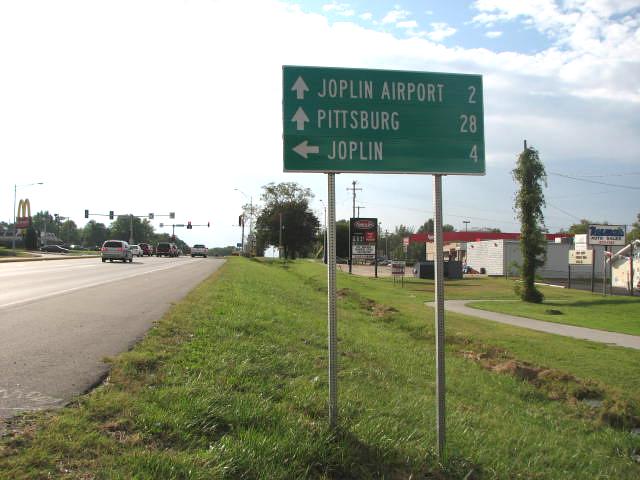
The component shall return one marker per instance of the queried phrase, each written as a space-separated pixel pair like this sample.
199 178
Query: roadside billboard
606 235
363 233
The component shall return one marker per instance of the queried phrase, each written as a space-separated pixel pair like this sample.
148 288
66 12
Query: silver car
135 250
116 250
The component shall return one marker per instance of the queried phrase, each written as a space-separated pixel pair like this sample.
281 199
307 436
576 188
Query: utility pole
466 224
359 207
280 236
130 229
386 238
353 190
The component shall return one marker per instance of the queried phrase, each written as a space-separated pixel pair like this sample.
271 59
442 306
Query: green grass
232 383
614 314
8 252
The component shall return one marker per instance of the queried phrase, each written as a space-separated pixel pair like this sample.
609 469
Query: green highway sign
382 121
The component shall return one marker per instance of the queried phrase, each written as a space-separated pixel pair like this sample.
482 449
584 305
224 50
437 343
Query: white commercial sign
580 241
363 249
397 268
605 235
580 257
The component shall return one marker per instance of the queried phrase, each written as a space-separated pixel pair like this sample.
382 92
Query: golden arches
24 207
24 214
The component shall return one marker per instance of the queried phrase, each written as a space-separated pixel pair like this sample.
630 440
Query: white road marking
89 285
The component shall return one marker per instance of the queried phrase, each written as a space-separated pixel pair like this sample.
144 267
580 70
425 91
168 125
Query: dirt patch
344 293
561 386
377 310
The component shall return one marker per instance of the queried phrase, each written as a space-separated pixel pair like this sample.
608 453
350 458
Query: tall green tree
43 221
142 230
287 204
94 234
530 176
68 232
582 227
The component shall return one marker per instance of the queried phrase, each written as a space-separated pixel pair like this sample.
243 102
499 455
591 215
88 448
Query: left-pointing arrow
300 117
304 149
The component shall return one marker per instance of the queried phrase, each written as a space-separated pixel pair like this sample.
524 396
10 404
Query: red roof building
477 236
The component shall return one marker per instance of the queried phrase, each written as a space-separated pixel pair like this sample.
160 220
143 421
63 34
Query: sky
176 106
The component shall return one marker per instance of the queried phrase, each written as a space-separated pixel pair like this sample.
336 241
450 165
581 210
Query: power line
594 181
609 175
564 211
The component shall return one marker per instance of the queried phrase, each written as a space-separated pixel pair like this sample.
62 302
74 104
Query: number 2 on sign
474 154
468 124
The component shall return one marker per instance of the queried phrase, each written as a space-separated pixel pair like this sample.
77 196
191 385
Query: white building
503 257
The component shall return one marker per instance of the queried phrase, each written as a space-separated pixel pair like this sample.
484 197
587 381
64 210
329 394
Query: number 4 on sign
474 154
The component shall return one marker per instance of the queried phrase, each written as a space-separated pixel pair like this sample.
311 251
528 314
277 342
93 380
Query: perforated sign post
382 121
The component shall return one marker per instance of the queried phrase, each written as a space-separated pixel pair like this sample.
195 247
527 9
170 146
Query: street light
15 230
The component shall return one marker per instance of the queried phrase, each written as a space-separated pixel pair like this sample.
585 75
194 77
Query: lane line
90 285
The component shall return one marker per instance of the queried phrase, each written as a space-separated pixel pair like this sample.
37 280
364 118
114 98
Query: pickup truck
199 251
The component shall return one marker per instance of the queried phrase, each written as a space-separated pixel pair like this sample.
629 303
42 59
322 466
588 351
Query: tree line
93 234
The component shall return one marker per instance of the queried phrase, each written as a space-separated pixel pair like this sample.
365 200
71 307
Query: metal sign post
439 315
345 120
331 296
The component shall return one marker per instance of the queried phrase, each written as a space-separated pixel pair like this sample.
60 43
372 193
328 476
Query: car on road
136 251
146 249
54 249
116 250
199 250
166 249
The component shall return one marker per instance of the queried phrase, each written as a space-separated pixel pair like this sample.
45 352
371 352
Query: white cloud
596 47
395 15
343 9
493 34
366 16
440 31
409 24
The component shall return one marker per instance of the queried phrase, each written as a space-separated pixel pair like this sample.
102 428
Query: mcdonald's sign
23 217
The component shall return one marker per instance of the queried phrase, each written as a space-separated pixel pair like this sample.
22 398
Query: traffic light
172 214
151 216
240 220
110 214
208 224
189 225
86 214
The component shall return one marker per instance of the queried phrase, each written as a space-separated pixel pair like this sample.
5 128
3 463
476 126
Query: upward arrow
300 87
300 117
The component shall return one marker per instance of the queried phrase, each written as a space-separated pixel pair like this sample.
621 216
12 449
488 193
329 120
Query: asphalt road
58 320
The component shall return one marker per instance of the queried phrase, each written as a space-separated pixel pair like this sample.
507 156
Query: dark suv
166 249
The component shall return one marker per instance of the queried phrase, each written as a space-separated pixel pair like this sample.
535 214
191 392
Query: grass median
232 383
612 313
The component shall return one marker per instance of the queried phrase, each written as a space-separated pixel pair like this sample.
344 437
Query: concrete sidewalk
601 336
